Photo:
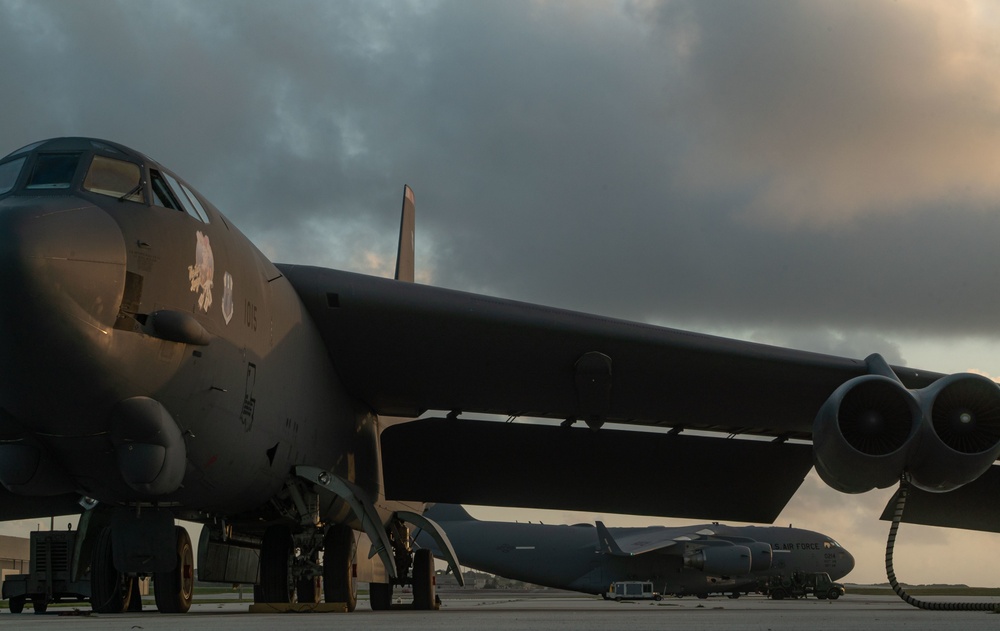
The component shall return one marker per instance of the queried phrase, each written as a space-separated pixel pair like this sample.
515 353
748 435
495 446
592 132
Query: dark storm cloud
766 165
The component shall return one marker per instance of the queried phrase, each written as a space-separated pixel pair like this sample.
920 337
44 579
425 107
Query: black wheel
833 595
16 604
380 596
40 605
339 551
307 590
135 602
175 589
110 590
778 594
657 598
423 579
275 562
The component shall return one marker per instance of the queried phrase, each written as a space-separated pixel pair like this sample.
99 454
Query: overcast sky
822 175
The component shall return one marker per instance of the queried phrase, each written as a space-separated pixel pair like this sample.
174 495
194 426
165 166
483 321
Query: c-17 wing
649 539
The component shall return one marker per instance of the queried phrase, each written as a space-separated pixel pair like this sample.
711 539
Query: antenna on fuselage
407 226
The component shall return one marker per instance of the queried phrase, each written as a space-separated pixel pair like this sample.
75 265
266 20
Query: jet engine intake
959 438
721 560
872 429
861 433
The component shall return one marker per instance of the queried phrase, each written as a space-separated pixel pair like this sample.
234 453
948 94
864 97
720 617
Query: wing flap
462 461
973 506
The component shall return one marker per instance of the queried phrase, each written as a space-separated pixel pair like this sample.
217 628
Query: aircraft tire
307 588
174 590
110 590
135 603
275 565
16 605
339 550
423 580
306 591
380 596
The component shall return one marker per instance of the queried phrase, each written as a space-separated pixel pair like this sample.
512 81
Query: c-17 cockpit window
53 170
115 178
8 174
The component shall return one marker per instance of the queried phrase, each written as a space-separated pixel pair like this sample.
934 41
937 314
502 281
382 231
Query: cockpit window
162 195
53 170
185 200
25 149
8 174
170 193
115 178
195 203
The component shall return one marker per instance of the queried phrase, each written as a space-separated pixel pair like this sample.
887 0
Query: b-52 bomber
158 367
695 560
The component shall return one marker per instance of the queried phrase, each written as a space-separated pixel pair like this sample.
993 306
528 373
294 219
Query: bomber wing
405 348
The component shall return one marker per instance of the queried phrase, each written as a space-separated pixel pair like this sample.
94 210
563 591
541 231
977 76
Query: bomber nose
63 250
63 270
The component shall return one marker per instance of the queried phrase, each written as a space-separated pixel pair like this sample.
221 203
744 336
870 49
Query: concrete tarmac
496 612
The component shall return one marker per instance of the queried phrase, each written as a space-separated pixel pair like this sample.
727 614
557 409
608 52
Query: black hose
904 488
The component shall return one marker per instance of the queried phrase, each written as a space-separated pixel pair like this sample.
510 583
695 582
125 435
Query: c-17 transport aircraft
684 560
156 366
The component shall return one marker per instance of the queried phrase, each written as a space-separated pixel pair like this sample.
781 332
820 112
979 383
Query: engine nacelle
959 438
872 429
760 556
720 560
862 434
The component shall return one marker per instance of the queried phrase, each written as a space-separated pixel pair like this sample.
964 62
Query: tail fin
607 542
448 512
407 226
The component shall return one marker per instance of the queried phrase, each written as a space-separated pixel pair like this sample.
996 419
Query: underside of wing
461 461
972 507
404 348
23 507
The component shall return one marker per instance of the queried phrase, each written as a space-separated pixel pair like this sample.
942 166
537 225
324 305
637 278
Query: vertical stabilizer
407 225
448 513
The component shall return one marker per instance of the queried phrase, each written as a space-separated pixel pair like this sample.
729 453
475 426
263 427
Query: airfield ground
499 611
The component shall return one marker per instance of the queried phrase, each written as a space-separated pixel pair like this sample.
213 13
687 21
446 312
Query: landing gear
175 589
423 580
339 550
380 596
275 565
413 567
110 590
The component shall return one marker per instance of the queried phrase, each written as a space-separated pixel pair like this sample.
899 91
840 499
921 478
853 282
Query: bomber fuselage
134 313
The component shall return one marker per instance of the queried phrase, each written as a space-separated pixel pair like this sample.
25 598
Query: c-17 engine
872 429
